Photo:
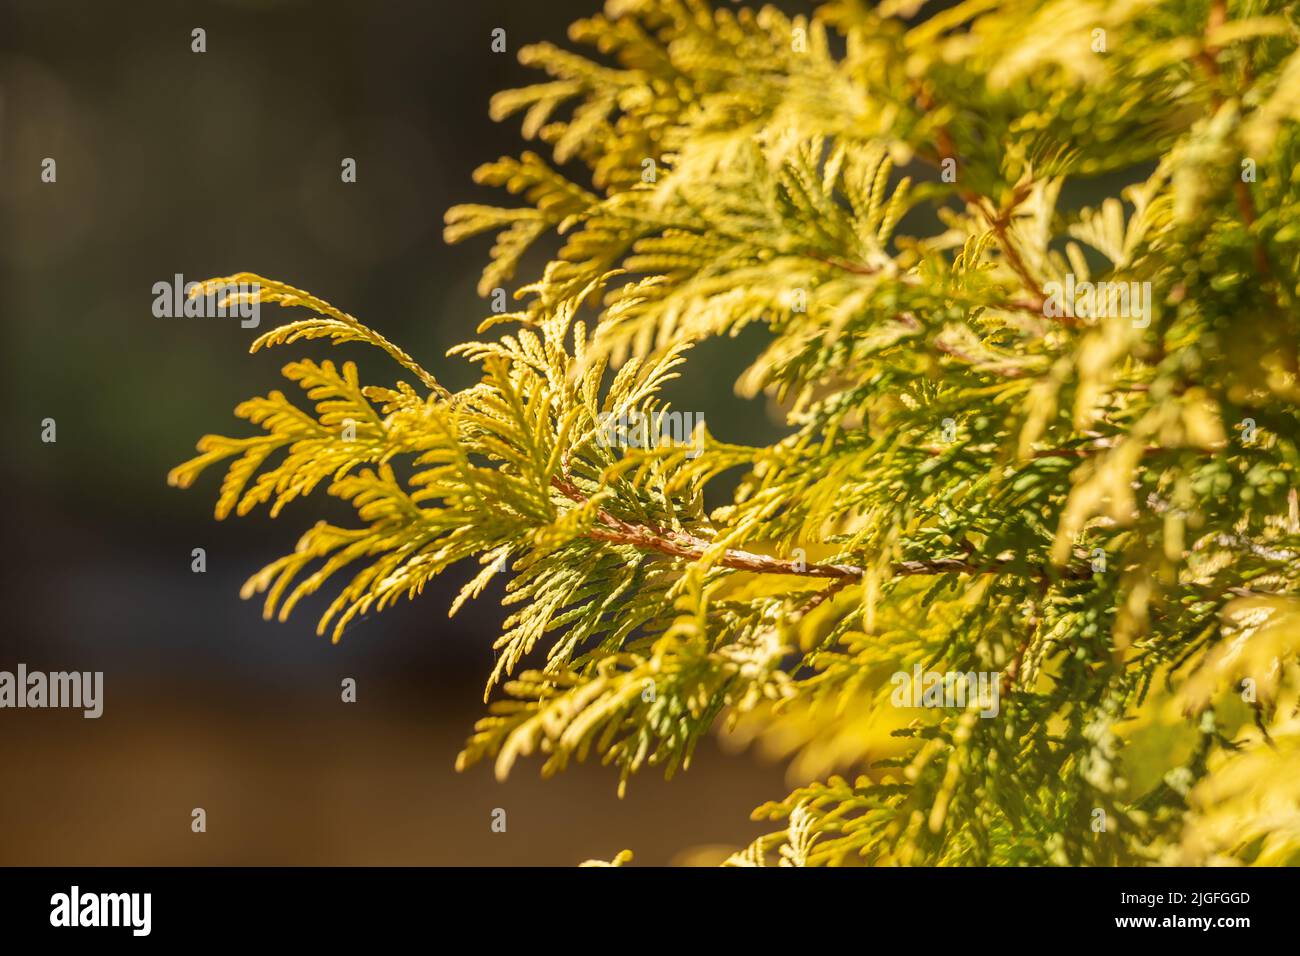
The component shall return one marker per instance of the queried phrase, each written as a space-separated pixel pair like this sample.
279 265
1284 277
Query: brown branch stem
681 544
997 222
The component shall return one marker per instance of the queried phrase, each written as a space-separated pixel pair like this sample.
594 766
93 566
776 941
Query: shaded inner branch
682 544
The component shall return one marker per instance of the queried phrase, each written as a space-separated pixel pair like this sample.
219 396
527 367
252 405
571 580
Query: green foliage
1101 508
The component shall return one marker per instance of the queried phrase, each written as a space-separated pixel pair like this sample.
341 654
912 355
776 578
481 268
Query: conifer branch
680 544
1130 486
997 222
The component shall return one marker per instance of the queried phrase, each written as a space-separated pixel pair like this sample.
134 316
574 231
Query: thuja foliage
1096 504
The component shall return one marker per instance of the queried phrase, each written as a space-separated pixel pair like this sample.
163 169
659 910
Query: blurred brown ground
352 789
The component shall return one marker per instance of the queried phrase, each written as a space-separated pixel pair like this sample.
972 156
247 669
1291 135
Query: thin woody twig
818 599
681 544
998 222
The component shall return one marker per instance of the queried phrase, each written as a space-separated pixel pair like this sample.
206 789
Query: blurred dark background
206 164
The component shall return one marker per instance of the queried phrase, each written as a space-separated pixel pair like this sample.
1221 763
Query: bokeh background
207 164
